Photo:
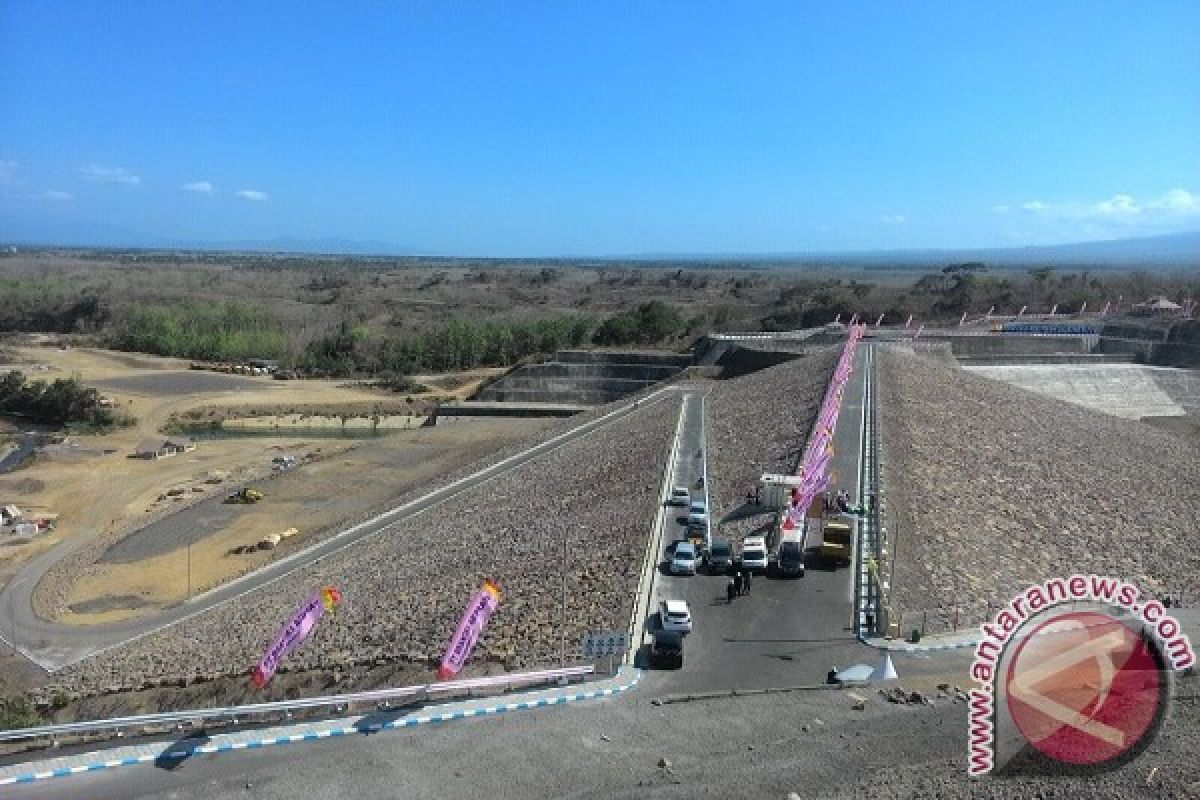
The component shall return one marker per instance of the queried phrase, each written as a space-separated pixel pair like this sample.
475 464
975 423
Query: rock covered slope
404 590
991 488
759 423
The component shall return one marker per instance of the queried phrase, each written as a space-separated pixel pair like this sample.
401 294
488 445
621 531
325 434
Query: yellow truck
245 496
830 536
836 545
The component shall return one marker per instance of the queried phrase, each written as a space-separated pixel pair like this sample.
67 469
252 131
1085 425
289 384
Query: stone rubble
991 488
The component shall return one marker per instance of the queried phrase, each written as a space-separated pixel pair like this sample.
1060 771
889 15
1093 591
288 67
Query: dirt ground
94 486
312 497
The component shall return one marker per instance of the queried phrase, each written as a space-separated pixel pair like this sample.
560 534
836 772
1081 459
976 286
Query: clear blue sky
511 128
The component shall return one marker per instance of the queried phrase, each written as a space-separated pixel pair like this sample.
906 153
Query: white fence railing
234 714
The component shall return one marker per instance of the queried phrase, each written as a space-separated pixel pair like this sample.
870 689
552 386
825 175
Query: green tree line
463 344
231 331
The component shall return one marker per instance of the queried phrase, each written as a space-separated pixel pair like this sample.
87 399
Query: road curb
893 646
95 762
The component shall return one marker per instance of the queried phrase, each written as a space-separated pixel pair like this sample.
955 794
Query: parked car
683 561
698 507
674 615
666 649
754 554
719 557
680 496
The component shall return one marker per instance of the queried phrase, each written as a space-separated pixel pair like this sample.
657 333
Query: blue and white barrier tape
174 752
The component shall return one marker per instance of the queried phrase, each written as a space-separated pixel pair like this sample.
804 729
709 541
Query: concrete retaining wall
585 377
622 357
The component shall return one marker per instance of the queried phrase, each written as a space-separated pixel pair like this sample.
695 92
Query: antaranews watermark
1078 670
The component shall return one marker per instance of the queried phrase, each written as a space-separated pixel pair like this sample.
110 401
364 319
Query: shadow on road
176 753
824 640
376 721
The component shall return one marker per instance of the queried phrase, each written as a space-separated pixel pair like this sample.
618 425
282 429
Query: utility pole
189 570
562 651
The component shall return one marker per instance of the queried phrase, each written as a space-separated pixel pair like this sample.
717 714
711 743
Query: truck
836 540
245 496
829 535
790 558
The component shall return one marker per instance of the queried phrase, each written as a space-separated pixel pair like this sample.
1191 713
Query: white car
675 616
754 553
680 496
685 559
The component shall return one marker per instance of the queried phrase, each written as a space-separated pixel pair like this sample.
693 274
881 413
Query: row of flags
1189 306
813 472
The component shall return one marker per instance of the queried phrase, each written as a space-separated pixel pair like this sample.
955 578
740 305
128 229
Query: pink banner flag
295 632
962 320
853 320
817 468
878 320
483 604
908 324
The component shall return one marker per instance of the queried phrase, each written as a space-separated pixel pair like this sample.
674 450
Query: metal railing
340 702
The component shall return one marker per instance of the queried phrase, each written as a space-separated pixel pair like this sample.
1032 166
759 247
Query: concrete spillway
582 378
1122 390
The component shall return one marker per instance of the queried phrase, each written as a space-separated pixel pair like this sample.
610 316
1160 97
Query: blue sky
563 128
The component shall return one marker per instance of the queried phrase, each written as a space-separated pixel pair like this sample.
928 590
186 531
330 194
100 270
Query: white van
754 554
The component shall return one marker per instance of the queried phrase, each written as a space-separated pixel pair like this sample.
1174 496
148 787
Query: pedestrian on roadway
730 592
737 582
746 581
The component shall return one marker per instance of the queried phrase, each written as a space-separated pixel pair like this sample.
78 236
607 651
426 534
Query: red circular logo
1084 688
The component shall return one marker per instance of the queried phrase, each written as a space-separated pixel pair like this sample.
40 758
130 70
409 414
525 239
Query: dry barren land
991 488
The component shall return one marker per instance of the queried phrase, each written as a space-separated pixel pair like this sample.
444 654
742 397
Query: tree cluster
232 331
65 401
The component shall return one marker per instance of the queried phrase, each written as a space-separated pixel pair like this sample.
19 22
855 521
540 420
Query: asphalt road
761 747
52 645
786 632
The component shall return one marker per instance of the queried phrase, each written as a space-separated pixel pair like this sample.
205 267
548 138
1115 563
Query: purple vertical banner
483 603
296 631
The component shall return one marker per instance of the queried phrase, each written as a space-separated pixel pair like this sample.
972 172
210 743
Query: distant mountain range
1174 249
1170 250
38 233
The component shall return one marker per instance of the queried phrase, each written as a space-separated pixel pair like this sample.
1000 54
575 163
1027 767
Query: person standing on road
746 581
737 583
730 592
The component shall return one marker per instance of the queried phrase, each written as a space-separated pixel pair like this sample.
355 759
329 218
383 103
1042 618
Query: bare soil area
99 491
152 563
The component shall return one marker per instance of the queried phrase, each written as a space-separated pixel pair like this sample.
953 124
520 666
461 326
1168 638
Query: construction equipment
245 496
829 533
835 541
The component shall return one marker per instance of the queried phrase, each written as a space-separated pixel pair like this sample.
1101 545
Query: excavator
245 496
